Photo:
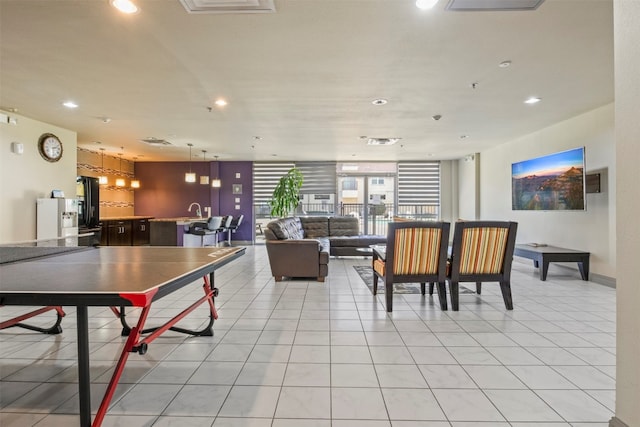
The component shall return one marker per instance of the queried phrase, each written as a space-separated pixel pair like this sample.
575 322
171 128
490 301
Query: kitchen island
174 232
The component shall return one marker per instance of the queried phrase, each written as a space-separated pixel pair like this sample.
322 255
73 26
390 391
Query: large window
374 192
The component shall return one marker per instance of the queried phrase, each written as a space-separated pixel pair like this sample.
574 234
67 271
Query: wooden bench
546 254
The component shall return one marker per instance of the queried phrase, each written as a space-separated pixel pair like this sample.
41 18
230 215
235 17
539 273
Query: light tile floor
306 354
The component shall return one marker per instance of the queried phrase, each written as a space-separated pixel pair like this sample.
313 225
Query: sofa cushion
357 241
344 226
315 226
287 228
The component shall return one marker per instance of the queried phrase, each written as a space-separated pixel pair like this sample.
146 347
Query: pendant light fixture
102 179
216 183
204 179
120 181
190 177
135 183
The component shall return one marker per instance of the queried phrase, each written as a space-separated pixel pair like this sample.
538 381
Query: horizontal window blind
265 178
419 183
319 177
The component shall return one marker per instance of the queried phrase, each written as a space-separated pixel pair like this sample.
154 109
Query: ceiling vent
382 141
155 141
493 5
229 6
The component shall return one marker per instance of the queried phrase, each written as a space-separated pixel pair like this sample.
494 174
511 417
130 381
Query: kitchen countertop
179 220
125 218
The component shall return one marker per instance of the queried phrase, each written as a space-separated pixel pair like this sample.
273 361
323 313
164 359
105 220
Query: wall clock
50 147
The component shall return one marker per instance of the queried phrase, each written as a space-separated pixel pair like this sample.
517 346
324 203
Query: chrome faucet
198 209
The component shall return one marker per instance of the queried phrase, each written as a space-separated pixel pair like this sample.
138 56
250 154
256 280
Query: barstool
235 223
206 228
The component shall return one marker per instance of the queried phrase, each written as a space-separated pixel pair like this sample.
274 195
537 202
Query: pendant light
190 177
120 181
204 179
216 183
135 183
102 179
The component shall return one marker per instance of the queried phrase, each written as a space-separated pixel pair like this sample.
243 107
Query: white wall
469 192
26 177
593 230
627 69
449 192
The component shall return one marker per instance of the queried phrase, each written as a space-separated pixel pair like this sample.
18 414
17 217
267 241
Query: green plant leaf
286 195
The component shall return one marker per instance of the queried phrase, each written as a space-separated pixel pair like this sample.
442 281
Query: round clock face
50 147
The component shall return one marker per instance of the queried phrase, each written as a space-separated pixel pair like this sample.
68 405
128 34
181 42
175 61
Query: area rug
366 274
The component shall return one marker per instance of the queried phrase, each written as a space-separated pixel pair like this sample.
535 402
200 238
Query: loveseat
301 246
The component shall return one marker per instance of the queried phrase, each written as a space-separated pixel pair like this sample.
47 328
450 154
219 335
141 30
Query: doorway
370 198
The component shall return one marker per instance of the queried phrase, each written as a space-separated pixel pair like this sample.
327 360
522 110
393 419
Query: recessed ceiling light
533 100
379 101
425 4
125 6
70 104
504 64
220 102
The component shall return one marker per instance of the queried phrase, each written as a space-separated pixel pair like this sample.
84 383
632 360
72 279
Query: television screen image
552 182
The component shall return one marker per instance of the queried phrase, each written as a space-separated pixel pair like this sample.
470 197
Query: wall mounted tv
552 182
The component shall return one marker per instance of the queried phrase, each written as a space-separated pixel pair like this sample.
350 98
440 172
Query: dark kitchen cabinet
104 233
120 233
141 234
125 231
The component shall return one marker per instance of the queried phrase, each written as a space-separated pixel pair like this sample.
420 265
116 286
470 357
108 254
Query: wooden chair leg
431 288
389 296
478 287
442 295
423 288
375 284
278 278
505 287
453 291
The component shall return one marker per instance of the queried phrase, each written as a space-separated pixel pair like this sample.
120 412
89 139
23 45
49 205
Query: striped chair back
483 250
416 251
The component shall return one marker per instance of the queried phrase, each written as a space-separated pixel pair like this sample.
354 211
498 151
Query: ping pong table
123 276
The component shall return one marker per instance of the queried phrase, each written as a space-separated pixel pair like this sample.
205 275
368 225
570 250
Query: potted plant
286 195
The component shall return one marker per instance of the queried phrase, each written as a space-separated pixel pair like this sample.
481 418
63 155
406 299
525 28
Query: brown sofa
300 246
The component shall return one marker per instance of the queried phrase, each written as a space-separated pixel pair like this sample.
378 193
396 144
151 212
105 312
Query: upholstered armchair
416 252
482 252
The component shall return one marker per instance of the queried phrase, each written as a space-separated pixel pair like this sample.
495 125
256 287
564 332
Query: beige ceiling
303 78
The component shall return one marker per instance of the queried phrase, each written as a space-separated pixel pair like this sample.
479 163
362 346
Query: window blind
419 183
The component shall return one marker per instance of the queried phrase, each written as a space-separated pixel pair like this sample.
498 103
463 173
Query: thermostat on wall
17 148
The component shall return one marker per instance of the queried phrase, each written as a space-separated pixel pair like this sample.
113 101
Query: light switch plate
237 175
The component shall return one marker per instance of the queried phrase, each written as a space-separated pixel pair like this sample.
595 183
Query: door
370 198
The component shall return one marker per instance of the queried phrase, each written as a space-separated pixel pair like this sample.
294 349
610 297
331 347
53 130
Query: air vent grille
155 141
493 5
228 6
382 141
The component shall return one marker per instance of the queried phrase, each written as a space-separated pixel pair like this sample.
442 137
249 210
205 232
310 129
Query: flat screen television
552 182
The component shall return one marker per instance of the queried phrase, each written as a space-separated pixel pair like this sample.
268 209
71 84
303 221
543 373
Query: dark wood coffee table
546 254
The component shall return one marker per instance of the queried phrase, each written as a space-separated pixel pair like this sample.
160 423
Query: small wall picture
236 188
